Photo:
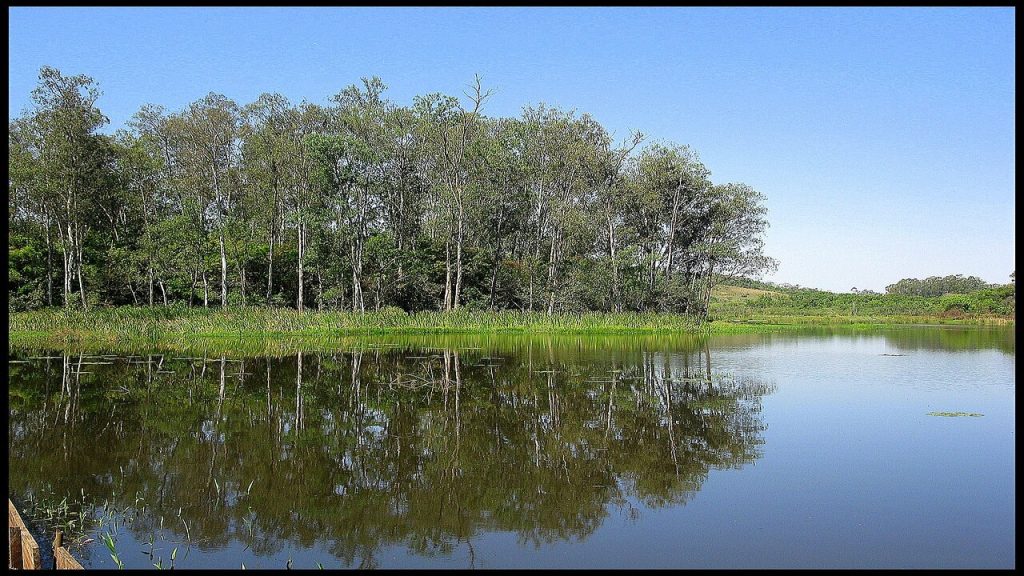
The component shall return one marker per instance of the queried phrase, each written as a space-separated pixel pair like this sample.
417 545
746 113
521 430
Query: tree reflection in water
354 451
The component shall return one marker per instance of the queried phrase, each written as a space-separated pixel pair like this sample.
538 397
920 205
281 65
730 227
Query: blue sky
883 138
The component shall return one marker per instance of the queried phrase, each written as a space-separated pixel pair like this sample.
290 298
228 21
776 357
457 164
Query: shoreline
176 328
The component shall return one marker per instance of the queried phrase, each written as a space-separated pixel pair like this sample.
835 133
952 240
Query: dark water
788 450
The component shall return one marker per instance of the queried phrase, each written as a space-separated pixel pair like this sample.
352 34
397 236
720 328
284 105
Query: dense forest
362 204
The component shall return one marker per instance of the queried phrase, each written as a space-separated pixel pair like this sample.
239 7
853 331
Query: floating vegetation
955 414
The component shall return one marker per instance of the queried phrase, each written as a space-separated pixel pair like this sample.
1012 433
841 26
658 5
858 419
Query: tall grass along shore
177 325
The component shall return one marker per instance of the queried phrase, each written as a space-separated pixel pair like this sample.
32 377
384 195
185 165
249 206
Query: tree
938 286
733 245
64 122
210 133
449 129
367 204
266 152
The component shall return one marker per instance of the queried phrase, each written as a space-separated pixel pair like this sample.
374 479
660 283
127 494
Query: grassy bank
181 328
162 324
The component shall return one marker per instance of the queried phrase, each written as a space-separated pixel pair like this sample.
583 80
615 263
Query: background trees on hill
362 204
937 286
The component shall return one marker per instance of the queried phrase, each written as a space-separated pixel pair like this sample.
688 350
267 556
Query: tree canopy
362 204
939 286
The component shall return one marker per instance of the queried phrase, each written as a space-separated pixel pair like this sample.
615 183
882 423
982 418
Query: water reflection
355 451
951 338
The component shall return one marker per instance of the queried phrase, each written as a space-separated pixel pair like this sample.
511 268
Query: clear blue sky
883 138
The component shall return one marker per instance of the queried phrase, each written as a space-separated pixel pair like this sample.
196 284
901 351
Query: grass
178 327
726 293
159 323
739 309
990 306
749 322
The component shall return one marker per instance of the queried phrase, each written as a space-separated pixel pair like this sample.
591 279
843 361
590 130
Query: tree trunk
672 232
494 266
654 270
530 300
135 298
448 274
400 233
273 238
707 295
357 280
301 254
223 271
552 265
376 299
81 284
319 290
270 269
66 260
458 261
616 303
49 265
68 268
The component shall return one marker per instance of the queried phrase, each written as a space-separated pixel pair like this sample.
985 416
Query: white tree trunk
223 273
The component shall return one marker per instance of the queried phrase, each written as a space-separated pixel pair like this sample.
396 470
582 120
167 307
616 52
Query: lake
818 448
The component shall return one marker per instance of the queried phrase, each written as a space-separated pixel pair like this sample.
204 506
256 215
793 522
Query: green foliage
109 541
955 302
989 302
178 323
362 204
25 272
938 286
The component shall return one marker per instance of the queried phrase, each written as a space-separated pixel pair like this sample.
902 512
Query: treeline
929 287
938 286
997 300
362 204
797 301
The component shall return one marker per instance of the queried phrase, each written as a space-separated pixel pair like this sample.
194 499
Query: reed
183 328
162 323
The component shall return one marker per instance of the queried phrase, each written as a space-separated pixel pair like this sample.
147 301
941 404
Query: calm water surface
795 450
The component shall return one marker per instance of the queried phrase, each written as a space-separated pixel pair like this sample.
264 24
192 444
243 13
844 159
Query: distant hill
727 293
736 297
752 284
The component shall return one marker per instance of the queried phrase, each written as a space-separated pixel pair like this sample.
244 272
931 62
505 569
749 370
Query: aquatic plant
108 539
